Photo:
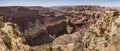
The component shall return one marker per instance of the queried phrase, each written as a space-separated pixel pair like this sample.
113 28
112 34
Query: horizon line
55 5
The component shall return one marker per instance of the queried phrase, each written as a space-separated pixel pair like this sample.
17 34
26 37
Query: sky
58 2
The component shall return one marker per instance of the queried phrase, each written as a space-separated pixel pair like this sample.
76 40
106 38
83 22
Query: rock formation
65 28
10 38
51 21
102 36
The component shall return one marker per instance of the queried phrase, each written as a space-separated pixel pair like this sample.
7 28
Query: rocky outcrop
11 39
66 41
102 36
82 21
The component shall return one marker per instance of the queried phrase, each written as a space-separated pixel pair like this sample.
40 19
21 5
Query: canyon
43 25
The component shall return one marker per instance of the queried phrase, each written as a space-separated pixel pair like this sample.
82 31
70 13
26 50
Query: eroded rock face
38 38
62 20
102 36
82 21
57 29
22 18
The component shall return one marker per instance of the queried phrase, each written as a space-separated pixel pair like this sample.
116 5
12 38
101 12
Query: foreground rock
102 36
11 39
64 42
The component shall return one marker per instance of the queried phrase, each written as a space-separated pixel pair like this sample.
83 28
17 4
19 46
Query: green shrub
7 41
49 47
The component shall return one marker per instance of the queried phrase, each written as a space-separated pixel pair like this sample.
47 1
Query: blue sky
58 2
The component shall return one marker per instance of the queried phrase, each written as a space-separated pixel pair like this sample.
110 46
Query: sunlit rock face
10 38
102 36
66 40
